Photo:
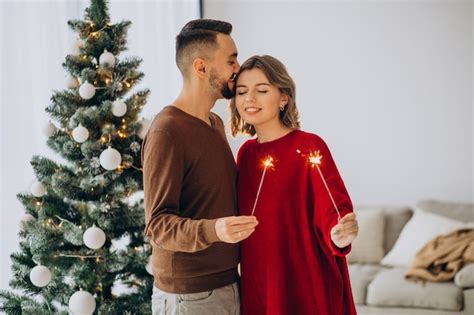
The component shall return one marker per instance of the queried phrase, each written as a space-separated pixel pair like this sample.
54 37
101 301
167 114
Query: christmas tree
78 211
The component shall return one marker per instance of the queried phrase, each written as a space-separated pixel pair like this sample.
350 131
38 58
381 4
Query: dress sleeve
163 163
325 216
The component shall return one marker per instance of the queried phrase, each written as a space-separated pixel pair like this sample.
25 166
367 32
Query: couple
199 203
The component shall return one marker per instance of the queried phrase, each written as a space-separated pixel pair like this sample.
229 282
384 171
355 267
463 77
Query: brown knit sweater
189 177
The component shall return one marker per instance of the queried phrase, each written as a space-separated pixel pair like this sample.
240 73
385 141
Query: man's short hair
198 38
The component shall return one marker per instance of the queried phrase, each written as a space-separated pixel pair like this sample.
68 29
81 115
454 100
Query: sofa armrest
465 277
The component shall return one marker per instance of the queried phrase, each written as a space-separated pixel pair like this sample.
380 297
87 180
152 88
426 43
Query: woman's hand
345 231
235 229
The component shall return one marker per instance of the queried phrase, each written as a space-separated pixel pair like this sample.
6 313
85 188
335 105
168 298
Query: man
189 178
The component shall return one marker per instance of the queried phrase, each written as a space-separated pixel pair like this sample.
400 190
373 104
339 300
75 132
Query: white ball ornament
75 47
27 218
94 237
119 108
80 134
107 59
87 91
49 129
37 189
81 303
40 276
72 82
148 267
110 159
145 126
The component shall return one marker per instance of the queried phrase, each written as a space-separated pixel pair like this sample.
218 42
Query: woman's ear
284 99
199 67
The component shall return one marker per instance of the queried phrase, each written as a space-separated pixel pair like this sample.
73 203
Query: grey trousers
221 301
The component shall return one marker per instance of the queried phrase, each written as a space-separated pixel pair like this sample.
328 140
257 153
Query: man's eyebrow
234 55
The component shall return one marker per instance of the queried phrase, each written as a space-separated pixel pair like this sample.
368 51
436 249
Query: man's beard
221 85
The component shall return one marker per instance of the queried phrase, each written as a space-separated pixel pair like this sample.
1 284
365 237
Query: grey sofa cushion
389 288
454 210
367 248
395 220
361 275
465 277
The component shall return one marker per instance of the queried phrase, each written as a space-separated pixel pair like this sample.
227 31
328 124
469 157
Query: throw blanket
441 258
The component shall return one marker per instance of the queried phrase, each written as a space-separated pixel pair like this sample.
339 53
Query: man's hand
345 231
235 229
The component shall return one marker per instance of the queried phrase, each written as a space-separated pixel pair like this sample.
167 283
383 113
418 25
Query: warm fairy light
107 81
38 203
123 120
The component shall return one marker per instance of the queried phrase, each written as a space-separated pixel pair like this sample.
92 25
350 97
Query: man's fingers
242 235
244 219
242 227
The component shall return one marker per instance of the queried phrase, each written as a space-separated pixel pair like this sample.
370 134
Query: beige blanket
441 258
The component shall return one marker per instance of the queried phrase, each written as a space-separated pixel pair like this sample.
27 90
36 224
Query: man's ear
199 67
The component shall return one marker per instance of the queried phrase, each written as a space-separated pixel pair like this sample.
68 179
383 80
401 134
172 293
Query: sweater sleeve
163 163
325 216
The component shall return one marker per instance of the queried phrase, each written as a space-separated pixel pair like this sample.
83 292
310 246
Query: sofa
388 240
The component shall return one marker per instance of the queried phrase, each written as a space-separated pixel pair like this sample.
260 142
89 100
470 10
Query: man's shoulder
165 121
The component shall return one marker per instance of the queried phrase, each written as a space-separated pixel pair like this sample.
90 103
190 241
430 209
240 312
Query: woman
294 262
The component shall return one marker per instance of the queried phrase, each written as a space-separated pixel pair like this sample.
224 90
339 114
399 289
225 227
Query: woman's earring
282 107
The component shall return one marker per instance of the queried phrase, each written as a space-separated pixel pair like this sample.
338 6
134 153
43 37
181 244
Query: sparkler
315 160
267 163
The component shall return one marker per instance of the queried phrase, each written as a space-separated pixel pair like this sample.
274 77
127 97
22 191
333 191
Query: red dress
289 265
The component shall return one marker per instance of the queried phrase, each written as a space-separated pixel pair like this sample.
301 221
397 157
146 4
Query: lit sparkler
267 163
315 160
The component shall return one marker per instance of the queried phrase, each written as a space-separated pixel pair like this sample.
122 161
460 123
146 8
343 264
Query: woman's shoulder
309 138
244 149
247 144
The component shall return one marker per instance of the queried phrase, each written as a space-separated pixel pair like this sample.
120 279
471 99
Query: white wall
388 84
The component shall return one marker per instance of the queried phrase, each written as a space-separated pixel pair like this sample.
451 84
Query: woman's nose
249 97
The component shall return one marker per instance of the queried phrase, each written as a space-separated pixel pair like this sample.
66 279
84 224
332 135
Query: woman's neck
271 132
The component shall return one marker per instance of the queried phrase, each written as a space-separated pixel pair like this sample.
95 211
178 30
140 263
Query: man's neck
195 103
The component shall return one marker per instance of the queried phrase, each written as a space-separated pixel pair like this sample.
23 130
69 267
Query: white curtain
34 40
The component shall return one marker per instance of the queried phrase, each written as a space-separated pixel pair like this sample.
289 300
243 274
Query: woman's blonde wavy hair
278 76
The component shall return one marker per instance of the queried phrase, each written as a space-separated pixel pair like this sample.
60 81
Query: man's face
224 67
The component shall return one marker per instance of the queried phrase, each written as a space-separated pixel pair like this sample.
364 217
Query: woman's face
257 101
